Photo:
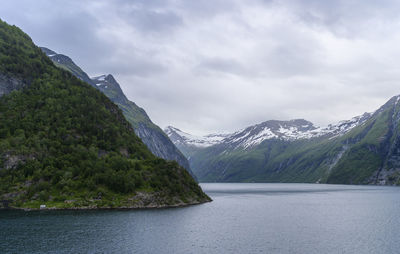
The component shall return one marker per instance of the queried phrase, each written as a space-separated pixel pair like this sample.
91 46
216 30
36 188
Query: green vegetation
71 68
272 161
65 144
18 56
151 135
357 167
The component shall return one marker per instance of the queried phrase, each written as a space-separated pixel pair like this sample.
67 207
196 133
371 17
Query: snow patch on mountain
100 78
180 137
345 126
292 130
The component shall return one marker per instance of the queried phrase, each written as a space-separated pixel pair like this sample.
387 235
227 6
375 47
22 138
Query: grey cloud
64 27
229 66
344 18
208 66
207 9
148 20
144 3
152 20
140 66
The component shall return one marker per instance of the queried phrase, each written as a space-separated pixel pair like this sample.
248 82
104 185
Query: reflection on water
243 218
278 188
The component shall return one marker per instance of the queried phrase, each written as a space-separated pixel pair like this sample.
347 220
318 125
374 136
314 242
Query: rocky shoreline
141 200
108 208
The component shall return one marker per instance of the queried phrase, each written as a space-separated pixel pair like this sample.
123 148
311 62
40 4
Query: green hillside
65 144
150 134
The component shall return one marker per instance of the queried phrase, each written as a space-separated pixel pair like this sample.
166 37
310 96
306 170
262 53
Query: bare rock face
161 146
9 84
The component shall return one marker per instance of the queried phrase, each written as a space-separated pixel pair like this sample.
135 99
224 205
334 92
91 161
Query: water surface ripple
243 218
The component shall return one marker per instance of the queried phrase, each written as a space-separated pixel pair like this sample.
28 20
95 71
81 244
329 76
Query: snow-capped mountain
254 135
345 126
182 138
364 149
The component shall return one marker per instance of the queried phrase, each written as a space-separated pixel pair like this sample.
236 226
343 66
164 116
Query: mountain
189 144
64 144
298 129
153 137
362 150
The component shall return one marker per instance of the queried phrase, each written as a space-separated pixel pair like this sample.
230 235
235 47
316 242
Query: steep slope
66 63
65 144
373 150
153 137
363 150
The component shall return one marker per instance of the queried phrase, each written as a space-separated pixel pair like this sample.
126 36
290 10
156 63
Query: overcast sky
221 65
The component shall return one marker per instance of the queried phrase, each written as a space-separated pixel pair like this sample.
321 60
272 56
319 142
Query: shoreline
122 208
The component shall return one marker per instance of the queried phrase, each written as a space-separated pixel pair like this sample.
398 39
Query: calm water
244 218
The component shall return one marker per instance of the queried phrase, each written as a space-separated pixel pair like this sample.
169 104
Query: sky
208 66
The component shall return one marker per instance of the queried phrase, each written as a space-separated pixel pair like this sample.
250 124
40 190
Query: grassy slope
72 145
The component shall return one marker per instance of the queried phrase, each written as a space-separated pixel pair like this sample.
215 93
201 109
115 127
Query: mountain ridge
362 150
152 135
289 130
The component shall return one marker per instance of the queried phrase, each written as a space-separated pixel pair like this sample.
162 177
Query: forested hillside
65 144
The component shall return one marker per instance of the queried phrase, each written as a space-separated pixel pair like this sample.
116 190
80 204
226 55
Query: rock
12 161
9 84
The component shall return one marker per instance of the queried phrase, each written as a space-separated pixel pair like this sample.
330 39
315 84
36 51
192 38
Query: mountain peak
48 51
180 137
100 78
171 129
298 124
390 103
105 78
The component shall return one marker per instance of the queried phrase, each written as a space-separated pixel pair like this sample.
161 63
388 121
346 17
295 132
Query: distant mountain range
362 150
152 135
254 135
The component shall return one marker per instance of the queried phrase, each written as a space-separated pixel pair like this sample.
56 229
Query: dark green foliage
17 56
66 140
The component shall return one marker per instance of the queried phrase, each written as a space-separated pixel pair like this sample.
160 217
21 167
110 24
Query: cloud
207 66
149 21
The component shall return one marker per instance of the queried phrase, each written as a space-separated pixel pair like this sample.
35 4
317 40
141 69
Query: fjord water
243 218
